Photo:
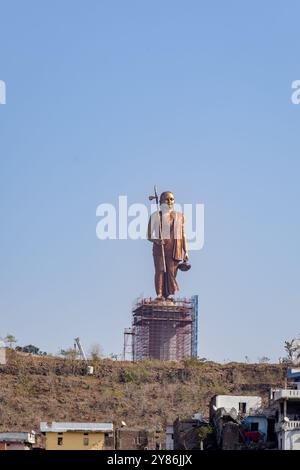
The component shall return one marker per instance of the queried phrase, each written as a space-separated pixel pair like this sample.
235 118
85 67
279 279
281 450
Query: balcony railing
287 425
287 393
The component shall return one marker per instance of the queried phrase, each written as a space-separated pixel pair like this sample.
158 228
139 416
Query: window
60 439
109 439
242 407
253 426
85 439
139 439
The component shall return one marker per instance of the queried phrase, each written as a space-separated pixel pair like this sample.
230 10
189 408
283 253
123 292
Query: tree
203 433
96 352
288 346
69 353
293 350
10 339
264 360
30 348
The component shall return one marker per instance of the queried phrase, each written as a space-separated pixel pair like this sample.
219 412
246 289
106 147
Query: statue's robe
174 237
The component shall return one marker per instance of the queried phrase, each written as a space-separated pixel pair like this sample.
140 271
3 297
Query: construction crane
80 349
77 344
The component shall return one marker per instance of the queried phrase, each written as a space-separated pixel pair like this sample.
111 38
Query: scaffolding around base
163 330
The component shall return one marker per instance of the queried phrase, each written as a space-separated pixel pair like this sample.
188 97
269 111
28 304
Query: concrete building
243 404
78 436
227 429
186 433
287 404
16 440
137 439
227 413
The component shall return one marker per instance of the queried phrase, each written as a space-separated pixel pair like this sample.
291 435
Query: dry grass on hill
147 393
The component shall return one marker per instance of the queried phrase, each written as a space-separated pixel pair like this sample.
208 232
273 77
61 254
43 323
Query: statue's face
169 200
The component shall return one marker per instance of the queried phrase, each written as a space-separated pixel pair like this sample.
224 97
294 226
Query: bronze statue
166 232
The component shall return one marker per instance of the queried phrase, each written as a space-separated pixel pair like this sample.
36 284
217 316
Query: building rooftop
75 427
17 437
293 373
237 396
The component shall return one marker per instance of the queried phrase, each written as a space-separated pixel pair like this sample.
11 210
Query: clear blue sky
109 97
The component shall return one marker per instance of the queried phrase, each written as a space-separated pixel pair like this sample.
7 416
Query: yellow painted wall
74 441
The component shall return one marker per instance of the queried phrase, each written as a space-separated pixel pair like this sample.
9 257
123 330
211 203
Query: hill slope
34 389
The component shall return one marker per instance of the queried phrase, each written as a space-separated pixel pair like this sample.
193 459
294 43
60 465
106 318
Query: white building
287 403
243 404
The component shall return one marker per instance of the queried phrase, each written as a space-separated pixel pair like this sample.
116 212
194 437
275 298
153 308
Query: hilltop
148 393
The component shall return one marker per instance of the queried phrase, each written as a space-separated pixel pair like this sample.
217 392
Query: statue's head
167 198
